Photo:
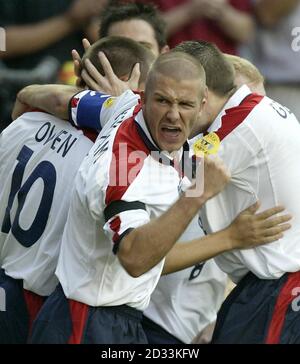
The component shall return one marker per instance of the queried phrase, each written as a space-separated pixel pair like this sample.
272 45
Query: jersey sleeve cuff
116 245
72 104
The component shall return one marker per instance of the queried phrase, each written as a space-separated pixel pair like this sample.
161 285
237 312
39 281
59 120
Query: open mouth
171 134
171 129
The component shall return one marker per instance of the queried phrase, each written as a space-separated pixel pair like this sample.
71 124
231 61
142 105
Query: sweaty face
138 30
171 108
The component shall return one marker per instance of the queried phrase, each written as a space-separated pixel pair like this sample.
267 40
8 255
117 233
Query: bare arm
53 99
236 24
246 231
184 14
35 36
26 39
270 12
178 17
147 245
185 255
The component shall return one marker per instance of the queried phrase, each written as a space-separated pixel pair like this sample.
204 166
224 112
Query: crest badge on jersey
209 144
109 102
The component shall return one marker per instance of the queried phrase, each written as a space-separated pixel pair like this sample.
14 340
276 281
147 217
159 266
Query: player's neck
217 103
210 112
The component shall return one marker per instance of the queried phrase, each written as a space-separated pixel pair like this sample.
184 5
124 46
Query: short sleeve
121 218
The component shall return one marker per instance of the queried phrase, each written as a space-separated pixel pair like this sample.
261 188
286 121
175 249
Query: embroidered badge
209 144
109 102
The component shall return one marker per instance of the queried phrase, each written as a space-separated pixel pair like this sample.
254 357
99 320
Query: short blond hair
177 65
246 70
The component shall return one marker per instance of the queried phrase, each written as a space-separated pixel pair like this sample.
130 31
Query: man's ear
205 97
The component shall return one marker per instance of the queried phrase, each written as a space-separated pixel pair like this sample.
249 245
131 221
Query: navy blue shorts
157 334
63 321
261 311
20 308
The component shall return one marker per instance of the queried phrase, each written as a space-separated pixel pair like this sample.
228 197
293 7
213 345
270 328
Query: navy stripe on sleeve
116 207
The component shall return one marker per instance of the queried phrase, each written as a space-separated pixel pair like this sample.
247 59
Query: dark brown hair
219 72
118 11
122 53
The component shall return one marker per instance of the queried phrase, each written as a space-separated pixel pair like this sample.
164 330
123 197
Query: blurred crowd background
40 35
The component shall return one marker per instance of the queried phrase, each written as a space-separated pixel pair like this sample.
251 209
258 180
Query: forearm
270 12
147 245
185 255
27 39
53 99
177 18
246 231
91 30
236 24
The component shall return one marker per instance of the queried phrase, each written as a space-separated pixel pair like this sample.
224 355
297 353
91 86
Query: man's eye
186 105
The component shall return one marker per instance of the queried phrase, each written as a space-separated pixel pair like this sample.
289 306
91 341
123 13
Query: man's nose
173 113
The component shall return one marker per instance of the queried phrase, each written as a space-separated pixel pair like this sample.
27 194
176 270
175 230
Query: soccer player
259 143
112 248
170 318
40 156
186 302
245 73
210 275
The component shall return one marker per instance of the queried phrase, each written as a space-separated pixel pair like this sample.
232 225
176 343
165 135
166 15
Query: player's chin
172 144
172 147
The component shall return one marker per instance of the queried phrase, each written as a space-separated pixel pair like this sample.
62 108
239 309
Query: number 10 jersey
39 157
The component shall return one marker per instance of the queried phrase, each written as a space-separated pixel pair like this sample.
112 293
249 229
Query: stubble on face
174 91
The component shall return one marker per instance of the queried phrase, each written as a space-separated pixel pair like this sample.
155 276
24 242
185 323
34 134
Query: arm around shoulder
53 99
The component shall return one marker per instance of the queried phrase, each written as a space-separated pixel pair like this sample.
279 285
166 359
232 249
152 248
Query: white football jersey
39 157
185 302
260 145
122 184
